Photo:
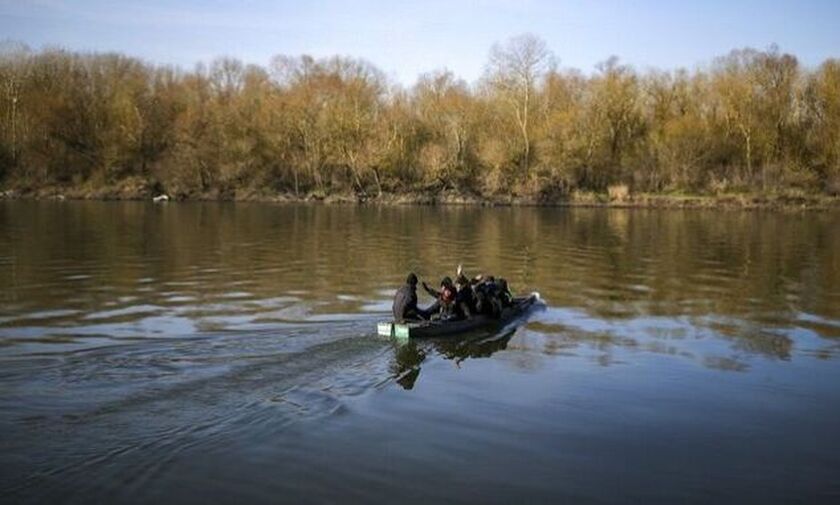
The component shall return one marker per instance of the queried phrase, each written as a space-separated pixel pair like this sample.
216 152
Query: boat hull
428 329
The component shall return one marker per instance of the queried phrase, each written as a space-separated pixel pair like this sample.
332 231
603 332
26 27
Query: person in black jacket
487 295
405 302
465 297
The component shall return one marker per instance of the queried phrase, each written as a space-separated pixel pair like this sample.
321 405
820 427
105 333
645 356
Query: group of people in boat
462 299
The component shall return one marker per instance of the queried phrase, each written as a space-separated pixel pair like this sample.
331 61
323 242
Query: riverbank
790 199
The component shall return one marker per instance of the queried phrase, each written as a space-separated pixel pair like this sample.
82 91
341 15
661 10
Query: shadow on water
409 356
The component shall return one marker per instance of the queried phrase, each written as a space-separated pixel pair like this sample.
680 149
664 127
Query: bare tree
514 70
753 119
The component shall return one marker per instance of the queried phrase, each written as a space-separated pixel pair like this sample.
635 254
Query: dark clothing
488 300
506 297
405 305
434 311
482 301
465 302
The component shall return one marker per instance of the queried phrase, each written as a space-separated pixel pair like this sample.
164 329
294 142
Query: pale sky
407 38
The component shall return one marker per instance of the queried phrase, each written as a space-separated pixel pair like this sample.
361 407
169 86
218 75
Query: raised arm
431 291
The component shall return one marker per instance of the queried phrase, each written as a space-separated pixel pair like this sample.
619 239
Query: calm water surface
221 353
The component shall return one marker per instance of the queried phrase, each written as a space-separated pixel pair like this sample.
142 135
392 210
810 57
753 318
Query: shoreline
790 200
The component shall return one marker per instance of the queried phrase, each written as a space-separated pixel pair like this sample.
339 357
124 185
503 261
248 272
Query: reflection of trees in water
408 356
559 340
761 270
717 260
754 340
607 347
690 262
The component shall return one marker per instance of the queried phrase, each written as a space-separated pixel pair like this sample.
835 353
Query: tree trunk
748 139
527 161
747 134
378 182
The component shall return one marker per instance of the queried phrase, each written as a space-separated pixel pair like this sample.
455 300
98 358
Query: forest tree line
752 120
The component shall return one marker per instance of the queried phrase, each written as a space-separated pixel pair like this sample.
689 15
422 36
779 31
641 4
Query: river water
226 353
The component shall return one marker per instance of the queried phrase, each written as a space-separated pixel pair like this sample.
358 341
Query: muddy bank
642 200
140 191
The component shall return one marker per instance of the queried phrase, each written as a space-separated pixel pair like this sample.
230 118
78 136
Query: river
227 353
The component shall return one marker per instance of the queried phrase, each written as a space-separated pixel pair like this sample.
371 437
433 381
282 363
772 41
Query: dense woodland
752 120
